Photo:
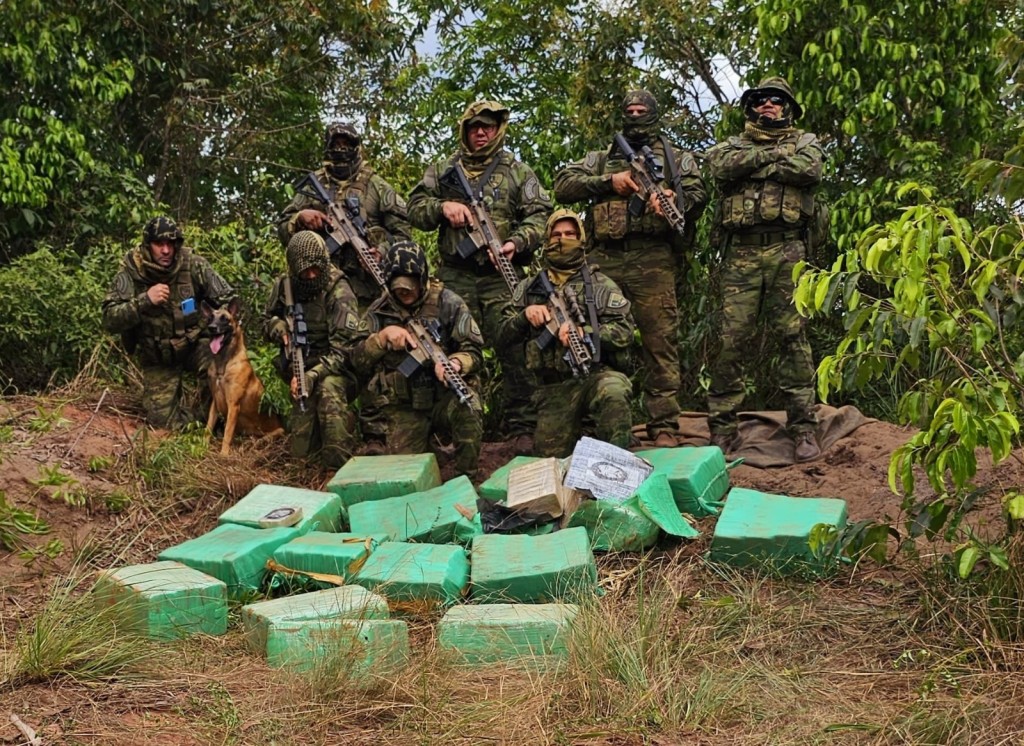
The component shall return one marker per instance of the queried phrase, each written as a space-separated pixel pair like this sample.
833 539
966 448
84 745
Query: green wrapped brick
331 554
636 523
698 476
346 602
495 487
235 554
431 516
533 569
493 633
321 511
358 650
773 531
165 600
416 577
367 478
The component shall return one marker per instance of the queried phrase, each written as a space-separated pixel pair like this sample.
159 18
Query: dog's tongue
216 343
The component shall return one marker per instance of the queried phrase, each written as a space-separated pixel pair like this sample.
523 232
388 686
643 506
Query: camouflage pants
757 288
646 275
410 429
163 389
562 407
327 428
485 296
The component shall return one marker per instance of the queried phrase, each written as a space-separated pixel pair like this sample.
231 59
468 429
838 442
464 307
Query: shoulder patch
591 161
616 300
351 322
123 285
531 189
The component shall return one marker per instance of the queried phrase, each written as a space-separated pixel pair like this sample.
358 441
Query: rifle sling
673 170
479 184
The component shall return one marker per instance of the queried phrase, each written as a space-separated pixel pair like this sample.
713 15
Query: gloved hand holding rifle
643 182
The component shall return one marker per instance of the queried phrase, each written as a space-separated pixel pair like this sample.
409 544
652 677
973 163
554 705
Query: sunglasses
777 100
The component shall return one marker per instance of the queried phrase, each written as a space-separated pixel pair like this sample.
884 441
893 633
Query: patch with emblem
351 322
615 300
531 189
591 160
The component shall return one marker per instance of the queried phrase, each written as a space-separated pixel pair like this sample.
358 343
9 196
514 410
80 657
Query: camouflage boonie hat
345 129
776 85
163 228
642 97
564 214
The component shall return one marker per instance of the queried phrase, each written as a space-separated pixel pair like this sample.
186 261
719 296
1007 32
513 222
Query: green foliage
68 489
99 463
75 637
15 521
158 466
51 550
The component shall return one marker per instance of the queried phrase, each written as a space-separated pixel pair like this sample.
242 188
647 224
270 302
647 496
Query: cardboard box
536 489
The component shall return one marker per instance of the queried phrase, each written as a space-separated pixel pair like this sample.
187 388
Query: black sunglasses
777 100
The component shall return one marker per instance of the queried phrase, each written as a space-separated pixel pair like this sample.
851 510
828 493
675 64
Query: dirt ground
95 441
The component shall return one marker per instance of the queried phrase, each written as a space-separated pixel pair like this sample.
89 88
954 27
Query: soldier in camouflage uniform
519 206
422 404
638 253
767 176
154 304
562 400
326 429
346 175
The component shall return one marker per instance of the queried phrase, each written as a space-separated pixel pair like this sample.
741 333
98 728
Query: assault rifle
647 172
428 338
482 233
297 341
346 226
564 307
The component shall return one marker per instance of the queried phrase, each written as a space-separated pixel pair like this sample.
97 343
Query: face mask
564 253
342 155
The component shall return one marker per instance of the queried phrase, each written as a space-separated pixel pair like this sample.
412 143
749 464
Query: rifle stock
294 351
647 171
346 227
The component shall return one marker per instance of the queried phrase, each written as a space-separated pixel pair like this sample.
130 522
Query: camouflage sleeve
614 315
274 316
689 187
534 209
394 214
582 180
367 352
798 163
122 308
215 289
425 202
346 330
514 327
737 159
286 220
465 341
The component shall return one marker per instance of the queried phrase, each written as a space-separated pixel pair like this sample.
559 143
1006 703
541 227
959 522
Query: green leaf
968 558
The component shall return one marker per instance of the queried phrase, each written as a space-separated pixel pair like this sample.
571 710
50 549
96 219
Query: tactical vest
166 337
765 202
611 218
317 318
498 188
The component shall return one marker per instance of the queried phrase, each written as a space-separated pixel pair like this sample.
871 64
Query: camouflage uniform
327 427
519 205
420 405
563 401
382 209
168 339
638 253
767 176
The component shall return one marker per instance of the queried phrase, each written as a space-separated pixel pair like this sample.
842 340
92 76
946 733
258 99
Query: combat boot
805 447
522 445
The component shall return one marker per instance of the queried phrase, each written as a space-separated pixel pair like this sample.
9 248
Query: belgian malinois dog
233 383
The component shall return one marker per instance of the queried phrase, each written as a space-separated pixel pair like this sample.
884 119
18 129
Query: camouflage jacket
614 319
460 339
332 321
382 208
766 184
162 334
609 218
518 205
